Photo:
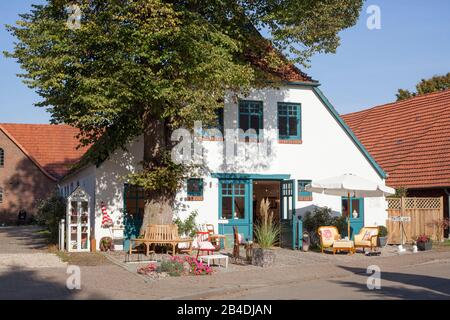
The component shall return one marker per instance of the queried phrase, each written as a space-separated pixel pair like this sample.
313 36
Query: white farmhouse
305 139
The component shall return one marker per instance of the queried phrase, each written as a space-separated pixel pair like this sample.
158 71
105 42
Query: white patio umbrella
349 185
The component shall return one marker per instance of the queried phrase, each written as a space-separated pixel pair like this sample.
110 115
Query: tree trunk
158 203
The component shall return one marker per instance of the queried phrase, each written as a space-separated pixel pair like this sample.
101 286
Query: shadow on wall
24 188
426 287
247 159
110 183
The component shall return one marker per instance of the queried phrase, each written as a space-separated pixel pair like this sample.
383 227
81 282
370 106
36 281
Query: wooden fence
423 212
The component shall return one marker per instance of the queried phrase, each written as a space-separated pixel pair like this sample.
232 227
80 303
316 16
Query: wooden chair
214 237
367 238
328 235
203 244
238 242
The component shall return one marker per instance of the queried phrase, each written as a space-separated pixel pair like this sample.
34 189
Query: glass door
83 227
356 214
287 206
235 207
73 226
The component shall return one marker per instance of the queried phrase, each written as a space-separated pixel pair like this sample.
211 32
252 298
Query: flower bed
176 266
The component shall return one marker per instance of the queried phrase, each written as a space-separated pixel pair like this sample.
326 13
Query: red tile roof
410 139
52 147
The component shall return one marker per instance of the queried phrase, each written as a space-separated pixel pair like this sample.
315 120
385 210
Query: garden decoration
106 219
424 243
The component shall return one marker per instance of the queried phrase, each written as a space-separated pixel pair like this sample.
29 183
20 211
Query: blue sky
368 68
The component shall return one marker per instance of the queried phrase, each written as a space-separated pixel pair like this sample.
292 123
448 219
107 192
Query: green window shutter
303 195
195 187
250 117
289 121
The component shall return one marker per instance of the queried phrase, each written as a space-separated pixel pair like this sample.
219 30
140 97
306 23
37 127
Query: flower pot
263 257
381 242
423 246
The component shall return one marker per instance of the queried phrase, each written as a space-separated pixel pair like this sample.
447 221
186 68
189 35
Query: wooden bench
161 234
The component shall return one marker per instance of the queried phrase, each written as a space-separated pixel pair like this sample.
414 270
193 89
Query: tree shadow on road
22 284
428 287
29 237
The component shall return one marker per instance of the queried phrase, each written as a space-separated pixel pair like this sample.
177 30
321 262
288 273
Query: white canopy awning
349 183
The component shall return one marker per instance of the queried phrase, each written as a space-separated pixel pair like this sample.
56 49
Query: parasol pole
348 216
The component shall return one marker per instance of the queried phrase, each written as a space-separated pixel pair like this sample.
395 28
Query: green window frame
303 195
233 197
134 201
195 187
289 121
250 117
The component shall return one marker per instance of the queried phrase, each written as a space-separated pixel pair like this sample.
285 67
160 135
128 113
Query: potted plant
106 244
266 234
424 243
382 236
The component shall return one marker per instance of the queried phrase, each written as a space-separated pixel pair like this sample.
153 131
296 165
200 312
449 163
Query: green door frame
355 223
245 225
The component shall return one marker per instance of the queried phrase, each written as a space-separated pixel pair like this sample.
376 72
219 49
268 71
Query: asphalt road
427 281
28 271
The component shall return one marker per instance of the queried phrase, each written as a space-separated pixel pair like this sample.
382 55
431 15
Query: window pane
243 122
254 123
282 126
344 207
355 207
227 206
239 207
292 126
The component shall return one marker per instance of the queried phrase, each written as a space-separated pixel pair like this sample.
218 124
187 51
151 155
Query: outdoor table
344 245
213 257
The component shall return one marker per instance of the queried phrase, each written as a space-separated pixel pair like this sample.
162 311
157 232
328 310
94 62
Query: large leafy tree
149 66
434 84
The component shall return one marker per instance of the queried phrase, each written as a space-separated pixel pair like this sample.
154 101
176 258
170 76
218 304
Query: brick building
410 139
32 160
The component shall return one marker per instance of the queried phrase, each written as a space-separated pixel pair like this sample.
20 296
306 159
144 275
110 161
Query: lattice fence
423 213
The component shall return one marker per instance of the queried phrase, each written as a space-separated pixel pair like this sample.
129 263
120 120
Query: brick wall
23 183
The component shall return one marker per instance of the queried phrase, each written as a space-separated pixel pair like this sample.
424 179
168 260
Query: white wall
110 180
326 151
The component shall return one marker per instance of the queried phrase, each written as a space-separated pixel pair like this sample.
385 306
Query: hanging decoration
106 219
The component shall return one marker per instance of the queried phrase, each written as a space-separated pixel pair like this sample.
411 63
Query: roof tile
410 139
53 147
